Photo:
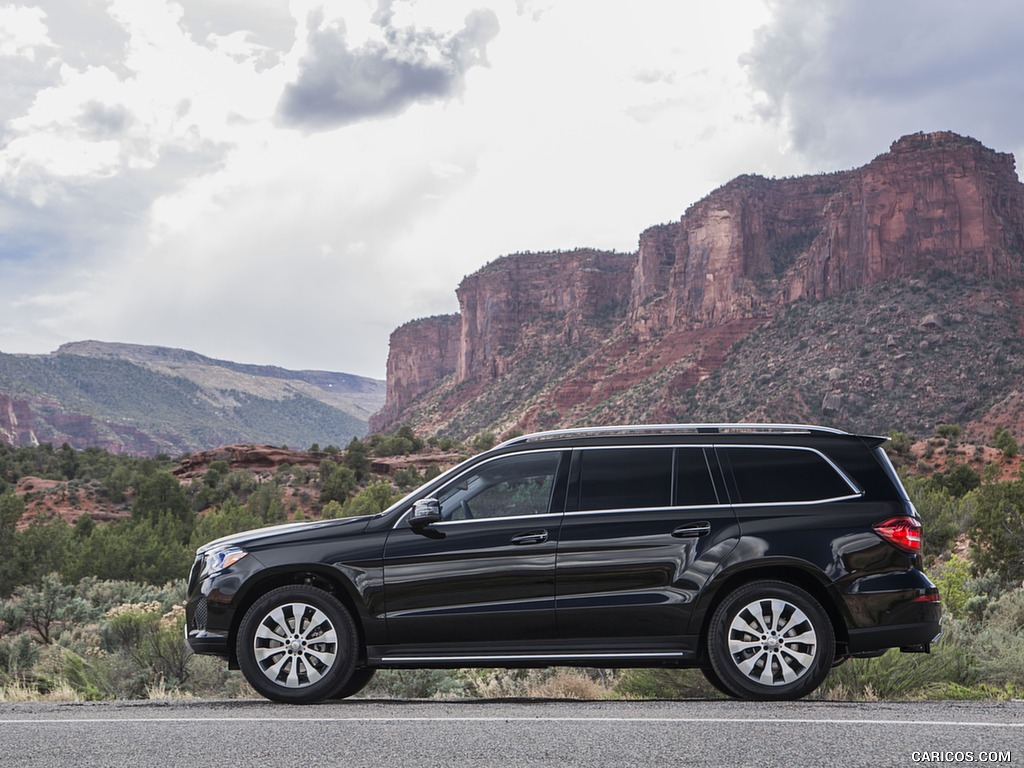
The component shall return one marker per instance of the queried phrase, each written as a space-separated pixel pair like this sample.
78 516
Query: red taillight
901 532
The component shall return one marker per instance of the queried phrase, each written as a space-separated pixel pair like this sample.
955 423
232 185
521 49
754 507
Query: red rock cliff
17 427
504 301
422 353
934 201
733 260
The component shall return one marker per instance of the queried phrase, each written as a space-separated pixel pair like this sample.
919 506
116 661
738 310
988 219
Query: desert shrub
332 510
940 512
949 432
484 441
997 531
45 609
552 683
660 683
896 675
150 639
960 480
416 684
999 641
953 578
18 655
1004 441
407 478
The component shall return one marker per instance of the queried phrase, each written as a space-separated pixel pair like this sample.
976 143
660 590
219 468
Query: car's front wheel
297 644
360 678
770 640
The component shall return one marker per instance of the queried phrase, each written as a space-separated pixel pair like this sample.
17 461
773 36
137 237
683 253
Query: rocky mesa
551 339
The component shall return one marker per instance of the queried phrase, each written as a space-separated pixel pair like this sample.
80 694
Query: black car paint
609 588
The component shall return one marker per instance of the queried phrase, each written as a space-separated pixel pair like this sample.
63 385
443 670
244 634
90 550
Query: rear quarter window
779 475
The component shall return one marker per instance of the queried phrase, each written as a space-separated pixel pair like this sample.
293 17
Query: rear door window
625 478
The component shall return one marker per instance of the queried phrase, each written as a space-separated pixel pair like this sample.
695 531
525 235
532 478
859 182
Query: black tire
770 641
359 679
297 645
712 677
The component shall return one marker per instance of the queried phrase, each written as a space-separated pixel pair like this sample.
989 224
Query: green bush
18 655
997 531
1004 441
372 500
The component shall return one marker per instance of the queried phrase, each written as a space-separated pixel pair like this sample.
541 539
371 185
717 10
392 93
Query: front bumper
208 643
212 603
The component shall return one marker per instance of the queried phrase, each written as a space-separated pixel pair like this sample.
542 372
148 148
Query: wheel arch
806 578
326 579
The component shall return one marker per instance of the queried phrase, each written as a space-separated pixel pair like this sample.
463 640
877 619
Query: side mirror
425 512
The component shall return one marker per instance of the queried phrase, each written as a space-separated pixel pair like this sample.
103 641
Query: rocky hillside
885 296
147 400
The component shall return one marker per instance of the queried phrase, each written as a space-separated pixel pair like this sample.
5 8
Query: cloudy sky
285 183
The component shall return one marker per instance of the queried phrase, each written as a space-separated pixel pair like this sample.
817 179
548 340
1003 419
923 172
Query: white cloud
22 31
847 77
150 192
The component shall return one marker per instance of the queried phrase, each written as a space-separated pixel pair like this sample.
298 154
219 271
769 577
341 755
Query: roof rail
673 429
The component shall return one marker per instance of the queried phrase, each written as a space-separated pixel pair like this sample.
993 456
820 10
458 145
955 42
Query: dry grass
18 692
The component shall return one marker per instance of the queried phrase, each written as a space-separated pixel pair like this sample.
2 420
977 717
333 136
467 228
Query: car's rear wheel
769 640
712 677
297 644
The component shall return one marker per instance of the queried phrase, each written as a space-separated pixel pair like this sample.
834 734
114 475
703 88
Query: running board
548 658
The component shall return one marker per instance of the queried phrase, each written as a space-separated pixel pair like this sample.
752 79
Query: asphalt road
511 733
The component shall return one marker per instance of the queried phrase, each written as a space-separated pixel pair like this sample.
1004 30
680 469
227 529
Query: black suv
762 554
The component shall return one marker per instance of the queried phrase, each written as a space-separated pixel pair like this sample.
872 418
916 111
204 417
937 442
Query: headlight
216 560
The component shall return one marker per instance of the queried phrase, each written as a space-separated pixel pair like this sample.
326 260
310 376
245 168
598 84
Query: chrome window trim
633 510
811 502
857 491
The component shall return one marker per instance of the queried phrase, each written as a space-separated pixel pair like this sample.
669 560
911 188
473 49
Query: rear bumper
916 637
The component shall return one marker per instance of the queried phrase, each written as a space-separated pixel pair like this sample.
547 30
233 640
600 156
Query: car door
643 532
486 571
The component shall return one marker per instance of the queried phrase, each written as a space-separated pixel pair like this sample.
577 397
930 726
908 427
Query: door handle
531 537
700 528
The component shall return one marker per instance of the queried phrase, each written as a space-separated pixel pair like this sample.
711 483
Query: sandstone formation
656 323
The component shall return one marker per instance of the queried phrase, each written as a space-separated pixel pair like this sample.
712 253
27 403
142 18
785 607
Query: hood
258 535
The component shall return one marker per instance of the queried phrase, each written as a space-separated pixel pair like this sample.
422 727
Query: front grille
201 614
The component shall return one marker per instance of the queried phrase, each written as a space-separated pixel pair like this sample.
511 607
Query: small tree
45 609
161 492
1004 441
357 458
372 500
484 441
949 432
338 482
997 531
